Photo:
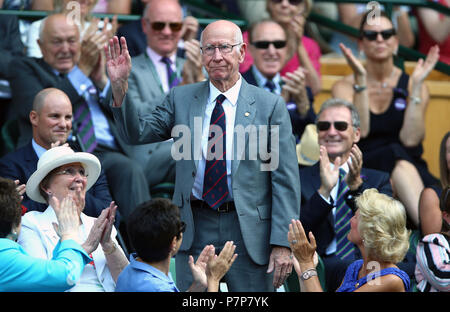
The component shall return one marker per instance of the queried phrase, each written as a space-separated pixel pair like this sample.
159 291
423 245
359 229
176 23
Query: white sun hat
308 148
57 157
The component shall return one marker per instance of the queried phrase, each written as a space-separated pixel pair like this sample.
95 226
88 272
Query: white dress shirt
229 106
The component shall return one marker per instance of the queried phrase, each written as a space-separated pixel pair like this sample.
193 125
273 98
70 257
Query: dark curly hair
151 228
10 210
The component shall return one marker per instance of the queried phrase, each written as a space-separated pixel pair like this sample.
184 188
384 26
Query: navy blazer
298 122
20 165
316 214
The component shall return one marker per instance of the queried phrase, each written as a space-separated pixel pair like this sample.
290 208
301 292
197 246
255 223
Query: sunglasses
338 125
373 35
278 44
291 2
158 26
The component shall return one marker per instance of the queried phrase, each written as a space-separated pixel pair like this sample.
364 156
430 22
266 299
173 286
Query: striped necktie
270 85
172 78
344 248
215 186
84 126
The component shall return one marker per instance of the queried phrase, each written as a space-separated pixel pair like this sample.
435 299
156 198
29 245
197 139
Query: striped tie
172 78
270 85
215 187
85 128
344 249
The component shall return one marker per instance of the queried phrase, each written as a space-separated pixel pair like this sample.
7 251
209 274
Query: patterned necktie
344 249
172 78
270 85
215 187
85 127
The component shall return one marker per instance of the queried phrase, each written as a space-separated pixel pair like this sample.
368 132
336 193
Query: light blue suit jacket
265 201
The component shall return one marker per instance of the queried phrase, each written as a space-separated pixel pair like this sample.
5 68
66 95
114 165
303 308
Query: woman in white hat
62 172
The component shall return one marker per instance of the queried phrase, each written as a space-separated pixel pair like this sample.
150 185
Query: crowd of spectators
93 105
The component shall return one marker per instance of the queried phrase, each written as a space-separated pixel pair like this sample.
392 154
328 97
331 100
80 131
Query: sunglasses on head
372 35
158 26
292 2
278 44
338 125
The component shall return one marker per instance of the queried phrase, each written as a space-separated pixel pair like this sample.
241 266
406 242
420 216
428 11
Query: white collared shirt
161 67
229 106
37 148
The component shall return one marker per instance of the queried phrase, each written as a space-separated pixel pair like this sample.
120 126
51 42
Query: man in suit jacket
268 46
80 73
319 182
51 119
261 193
149 79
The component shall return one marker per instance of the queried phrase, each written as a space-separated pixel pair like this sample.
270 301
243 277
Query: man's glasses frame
223 48
373 35
338 125
263 44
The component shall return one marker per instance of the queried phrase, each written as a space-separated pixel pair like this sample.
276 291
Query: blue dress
351 281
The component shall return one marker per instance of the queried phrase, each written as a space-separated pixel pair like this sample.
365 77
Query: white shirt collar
156 58
231 94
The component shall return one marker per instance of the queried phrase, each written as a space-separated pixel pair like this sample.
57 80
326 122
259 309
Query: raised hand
294 88
118 66
21 188
106 240
219 265
329 177
96 232
198 269
353 62
302 248
67 216
423 68
192 69
353 177
190 28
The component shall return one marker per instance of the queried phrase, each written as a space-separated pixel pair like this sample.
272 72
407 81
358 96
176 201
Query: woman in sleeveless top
430 216
378 229
392 107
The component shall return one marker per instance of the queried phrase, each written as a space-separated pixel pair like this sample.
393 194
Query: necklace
384 84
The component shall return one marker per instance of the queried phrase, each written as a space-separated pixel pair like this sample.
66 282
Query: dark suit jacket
20 165
136 39
298 122
11 45
31 75
315 213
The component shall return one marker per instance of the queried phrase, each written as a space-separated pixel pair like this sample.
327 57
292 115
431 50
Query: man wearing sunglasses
338 132
252 205
268 46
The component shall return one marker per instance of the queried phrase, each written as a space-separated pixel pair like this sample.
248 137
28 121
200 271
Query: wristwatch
308 274
358 88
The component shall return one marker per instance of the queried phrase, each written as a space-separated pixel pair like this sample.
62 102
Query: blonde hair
382 226
308 7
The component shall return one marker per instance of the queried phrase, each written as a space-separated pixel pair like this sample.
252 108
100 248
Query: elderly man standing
155 72
79 71
51 119
226 190
268 47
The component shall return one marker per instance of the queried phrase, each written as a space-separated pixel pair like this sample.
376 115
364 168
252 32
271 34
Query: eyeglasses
373 35
223 48
73 172
338 125
278 44
158 26
291 2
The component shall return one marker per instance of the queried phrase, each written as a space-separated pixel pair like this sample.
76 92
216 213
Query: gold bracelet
107 253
